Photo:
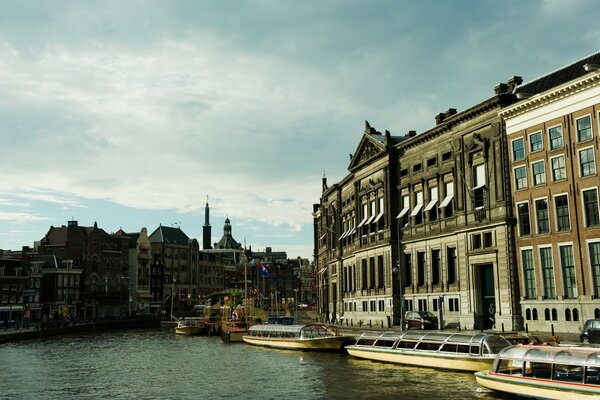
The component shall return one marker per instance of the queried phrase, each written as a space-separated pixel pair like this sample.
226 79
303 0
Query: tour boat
296 337
547 372
190 326
454 351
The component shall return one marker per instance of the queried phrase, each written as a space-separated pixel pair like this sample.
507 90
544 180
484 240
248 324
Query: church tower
206 234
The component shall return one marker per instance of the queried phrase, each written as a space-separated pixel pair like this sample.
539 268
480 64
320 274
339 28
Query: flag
263 271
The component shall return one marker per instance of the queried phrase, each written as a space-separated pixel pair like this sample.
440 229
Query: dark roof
165 234
558 77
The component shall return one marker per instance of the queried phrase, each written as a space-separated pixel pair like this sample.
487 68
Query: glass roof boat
297 337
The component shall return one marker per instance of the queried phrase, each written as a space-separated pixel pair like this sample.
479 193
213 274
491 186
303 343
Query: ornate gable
368 149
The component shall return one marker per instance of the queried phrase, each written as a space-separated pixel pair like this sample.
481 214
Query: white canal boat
545 372
297 337
190 326
454 351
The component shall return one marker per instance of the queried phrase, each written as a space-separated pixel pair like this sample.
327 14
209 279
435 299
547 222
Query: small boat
190 326
234 331
548 372
454 351
297 337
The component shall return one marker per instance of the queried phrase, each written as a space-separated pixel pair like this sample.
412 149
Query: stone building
454 218
553 145
354 237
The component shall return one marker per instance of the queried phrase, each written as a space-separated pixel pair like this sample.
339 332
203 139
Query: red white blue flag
263 270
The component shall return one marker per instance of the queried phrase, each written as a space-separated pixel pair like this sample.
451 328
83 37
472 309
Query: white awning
351 231
343 235
378 217
431 204
370 219
362 222
446 200
416 210
321 238
479 186
402 213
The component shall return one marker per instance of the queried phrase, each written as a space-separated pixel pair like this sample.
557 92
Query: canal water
157 364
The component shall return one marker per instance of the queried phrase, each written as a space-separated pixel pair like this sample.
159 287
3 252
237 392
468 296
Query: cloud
21 217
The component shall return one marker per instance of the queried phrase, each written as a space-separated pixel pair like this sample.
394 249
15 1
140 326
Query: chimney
501 88
450 112
439 118
513 82
324 182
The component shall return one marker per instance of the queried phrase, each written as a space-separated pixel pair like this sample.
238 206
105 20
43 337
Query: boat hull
331 343
233 335
422 359
189 330
539 388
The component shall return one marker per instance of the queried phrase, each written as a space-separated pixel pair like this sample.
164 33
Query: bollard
552 328
381 324
459 326
351 322
503 327
370 324
527 328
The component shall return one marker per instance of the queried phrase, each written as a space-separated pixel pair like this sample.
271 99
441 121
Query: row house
454 222
104 260
553 135
354 237
178 255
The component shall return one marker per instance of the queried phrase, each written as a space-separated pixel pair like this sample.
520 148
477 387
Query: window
584 128
587 162
556 138
435 266
381 305
476 241
417 212
403 216
432 162
487 239
528 273
539 173
568 271
594 249
408 269
417 167
364 274
451 260
523 215
422 304
559 171
547 272
372 273
404 172
541 213
448 204
590 207
479 186
447 156
431 208
421 269
563 220
520 177
518 149
380 272
535 142
453 305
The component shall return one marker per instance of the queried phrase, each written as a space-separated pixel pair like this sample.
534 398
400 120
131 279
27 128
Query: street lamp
128 295
296 300
398 221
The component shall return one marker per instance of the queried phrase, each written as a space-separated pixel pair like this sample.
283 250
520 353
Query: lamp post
296 301
400 283
128 295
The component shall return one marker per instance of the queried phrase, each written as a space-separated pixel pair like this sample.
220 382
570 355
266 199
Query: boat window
510 367
494 344
462 348
592 376
537 369
385 343
365 342
428 346
568 373
406 344
449 347
475 350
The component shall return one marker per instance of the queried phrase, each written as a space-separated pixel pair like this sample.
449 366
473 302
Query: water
157 364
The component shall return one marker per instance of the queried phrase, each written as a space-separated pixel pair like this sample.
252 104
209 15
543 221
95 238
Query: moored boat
454 351
190 326
547 372
297 337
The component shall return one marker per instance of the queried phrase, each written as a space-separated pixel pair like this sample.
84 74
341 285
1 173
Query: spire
206 229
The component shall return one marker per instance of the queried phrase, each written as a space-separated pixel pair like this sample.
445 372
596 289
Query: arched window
554 315
575 314
567 315
547 314
535 314
528 314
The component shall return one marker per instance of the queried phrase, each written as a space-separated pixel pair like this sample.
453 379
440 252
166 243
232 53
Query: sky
130 113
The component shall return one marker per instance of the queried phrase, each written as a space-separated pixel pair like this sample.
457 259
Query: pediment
368 149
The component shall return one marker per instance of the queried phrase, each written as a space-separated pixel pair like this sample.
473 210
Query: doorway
487 298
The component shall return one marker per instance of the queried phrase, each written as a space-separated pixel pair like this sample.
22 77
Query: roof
558 77
166 234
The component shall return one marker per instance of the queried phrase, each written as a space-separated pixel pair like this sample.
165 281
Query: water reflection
153 364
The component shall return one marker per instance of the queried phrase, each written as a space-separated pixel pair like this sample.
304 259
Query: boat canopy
580 356
280 330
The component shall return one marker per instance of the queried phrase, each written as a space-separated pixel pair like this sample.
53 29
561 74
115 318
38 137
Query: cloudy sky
130 113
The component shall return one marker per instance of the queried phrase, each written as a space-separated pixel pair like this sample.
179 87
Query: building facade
553 135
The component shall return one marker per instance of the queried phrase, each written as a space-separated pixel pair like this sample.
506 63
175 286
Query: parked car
591 331
420 319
